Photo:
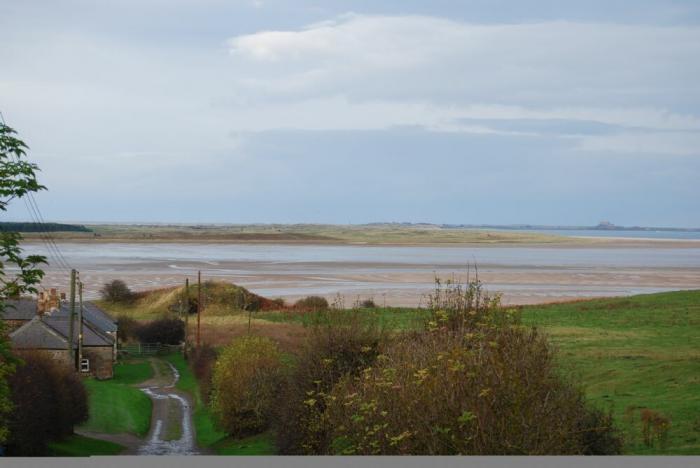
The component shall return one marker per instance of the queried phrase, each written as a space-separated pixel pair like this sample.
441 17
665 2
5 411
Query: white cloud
359 72
670 143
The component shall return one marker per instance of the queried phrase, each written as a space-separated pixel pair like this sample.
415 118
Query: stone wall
101 361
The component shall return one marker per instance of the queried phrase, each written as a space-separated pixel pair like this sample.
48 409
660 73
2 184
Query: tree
18 274
117 291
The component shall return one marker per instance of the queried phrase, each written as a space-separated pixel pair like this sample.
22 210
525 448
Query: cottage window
85 365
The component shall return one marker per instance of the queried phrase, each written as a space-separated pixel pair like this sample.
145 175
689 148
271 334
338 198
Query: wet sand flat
395 275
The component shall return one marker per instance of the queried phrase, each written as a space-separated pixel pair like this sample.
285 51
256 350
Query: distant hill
43 227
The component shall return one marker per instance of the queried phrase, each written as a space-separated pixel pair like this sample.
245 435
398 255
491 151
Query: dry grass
220 331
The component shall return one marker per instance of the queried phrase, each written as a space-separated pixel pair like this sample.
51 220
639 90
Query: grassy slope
632 353
79 446
206 432
116 406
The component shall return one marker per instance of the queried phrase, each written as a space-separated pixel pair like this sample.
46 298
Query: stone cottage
50 333
44 325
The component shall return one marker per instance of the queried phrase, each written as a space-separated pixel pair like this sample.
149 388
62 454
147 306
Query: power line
42 224
34 212
51 248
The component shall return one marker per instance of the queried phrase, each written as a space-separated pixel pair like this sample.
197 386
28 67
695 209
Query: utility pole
199 303
80 325
187 313
71 328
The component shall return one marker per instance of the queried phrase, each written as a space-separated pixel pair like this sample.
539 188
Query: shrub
201 361
368 304
338 343
655 427
314 303
244 385
473 382
461 308
164 330
495 392
49 399
127 328
117 291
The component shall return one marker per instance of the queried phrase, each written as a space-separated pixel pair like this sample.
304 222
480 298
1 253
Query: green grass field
79 446
260 444
115 405
633 353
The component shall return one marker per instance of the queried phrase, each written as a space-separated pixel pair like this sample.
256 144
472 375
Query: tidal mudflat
396 275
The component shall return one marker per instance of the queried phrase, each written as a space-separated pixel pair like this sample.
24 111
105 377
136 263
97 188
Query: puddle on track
155 445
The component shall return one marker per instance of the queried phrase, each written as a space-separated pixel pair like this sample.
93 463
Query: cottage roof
92 314
35 334
19 309
51 332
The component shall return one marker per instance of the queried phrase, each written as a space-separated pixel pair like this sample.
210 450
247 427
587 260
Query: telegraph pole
71 328
187 313
80 325
199 303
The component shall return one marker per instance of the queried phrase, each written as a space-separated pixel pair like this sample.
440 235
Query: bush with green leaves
245 383
338 343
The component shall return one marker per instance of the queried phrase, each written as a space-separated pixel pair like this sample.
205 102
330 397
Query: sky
272 111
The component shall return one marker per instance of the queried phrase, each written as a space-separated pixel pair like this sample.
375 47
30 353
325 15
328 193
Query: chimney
53 301
41 303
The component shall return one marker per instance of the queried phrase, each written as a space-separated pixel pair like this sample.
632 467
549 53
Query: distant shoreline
364 235
571 242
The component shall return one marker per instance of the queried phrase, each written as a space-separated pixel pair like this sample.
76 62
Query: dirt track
172 431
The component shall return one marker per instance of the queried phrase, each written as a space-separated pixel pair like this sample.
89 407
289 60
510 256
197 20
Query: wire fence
148 349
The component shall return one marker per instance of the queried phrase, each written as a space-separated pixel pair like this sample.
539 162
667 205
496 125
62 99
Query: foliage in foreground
338 344
245 382
482 393
473 381
49 399
18 274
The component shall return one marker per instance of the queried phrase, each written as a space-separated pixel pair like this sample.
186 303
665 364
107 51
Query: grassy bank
208 436
79 446
634 353
115 405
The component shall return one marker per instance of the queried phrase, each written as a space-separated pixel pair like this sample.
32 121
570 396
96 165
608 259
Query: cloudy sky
342 111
